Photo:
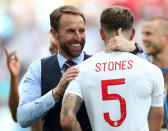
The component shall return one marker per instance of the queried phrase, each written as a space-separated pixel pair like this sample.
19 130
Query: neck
161 59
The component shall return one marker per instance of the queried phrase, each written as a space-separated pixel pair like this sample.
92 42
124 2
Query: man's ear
132 34
54 34
102 34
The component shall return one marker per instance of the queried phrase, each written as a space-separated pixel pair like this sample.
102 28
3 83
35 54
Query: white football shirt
118 89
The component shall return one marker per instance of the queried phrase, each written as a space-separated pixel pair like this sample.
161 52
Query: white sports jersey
118 89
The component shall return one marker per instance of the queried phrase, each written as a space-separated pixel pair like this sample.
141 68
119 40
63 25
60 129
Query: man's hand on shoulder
68 76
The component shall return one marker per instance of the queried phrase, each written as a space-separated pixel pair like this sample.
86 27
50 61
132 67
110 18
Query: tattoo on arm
76 126
71 103
70 106
77 105
66 104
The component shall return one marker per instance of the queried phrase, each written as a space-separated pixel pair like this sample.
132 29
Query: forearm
37 126
70 123
76 126
29 112
70 106
13 97
155 118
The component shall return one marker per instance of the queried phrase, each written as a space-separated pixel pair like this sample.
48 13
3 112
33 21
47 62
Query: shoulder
156 72
140 58
148 68
49 58
33 73
90 60
34 69
35 64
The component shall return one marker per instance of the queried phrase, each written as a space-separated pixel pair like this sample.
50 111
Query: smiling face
71 35
152 37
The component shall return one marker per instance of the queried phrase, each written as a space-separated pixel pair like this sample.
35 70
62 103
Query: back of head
114 17
57 13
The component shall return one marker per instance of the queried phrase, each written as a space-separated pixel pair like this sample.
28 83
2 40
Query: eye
82 30
148 33
70 31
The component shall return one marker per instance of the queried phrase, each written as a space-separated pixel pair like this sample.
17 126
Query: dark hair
57 13
115 17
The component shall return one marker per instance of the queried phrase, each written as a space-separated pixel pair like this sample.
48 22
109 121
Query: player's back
117 89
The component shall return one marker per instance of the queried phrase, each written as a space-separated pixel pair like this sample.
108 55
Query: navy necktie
68 64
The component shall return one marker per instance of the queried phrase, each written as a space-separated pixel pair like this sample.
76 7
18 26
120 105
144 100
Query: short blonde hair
162 23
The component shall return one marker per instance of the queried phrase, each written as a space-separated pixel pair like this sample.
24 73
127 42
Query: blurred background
24 26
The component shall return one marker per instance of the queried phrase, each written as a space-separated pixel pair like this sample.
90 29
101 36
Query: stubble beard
67 51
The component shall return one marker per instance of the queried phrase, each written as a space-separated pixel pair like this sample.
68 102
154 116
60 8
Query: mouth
76 45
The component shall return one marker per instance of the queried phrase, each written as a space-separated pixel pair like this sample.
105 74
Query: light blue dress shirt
33 106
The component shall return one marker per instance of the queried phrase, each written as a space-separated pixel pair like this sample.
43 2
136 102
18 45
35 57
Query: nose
78 36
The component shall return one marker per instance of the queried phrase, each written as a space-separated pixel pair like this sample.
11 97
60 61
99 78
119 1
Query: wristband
56 94
137 49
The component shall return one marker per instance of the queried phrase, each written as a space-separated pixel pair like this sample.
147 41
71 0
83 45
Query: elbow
66 122
23 124
22 120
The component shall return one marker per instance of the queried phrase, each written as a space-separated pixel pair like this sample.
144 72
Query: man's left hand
120 43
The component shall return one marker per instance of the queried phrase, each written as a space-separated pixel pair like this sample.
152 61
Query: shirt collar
62 59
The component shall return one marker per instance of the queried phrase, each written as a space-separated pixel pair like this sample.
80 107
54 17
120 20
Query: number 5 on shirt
108 97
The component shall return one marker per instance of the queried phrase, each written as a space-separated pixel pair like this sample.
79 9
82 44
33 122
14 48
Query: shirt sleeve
144 56
158 88
74 88
33 106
